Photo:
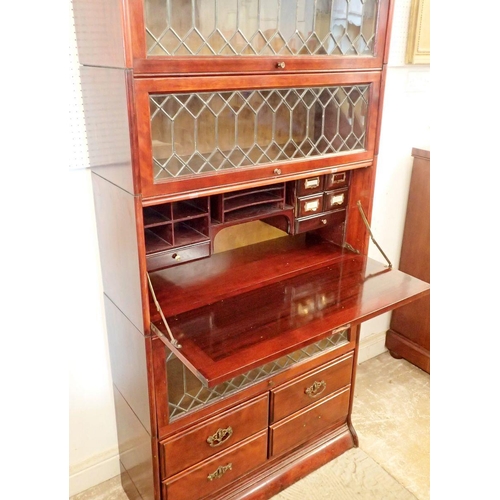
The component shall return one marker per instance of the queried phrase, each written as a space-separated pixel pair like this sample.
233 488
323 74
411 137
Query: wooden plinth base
401 347
276 476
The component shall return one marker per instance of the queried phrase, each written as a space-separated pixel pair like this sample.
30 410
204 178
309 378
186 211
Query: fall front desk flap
241 309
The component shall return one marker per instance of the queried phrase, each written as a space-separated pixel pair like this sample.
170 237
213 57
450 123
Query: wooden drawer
334 181
311 185
311 387
310 206
334 200
322 220
178 255
302 426
215 473
213 436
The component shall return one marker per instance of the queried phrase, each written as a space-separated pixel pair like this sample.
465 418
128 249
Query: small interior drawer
335 181
311 185
311 205
334 200
310 388
319 221
219 471
174 256
214 436
300 427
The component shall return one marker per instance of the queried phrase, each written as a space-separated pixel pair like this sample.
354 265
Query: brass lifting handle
221 436
316 389
217 474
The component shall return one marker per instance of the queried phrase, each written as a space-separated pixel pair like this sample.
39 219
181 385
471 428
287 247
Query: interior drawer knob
176 256
281 65
277 171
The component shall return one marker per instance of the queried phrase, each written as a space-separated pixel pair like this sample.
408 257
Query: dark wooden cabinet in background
231 146
409 334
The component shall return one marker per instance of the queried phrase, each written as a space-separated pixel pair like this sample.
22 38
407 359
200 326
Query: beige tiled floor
391 416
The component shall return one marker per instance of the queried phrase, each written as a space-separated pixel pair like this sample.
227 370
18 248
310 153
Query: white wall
93 453
93 446
405 125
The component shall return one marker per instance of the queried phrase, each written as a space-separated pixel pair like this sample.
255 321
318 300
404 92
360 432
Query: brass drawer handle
338 178
316 389
311 183
311 206
337 199
221 436
281 65
217 474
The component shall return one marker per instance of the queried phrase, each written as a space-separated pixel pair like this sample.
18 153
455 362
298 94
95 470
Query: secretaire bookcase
233 147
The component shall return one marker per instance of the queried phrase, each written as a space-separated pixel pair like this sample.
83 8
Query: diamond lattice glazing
209 132
186 392
258 27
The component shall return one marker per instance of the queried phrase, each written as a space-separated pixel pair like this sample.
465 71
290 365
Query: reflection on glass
258 27
208 132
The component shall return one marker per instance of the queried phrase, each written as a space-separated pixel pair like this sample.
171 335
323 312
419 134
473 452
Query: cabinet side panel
409 334
127 353
415 251
412 321
99 32
135 446
117 234
362 184
104 95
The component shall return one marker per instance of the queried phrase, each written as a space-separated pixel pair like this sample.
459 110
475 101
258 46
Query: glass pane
186 392
209 132
257 27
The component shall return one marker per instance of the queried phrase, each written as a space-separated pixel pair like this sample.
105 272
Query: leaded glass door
241 130
199 36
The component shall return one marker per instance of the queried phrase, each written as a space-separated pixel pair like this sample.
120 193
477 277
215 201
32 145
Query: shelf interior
158 240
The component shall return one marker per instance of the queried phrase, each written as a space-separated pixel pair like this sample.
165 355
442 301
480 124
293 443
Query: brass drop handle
176 256
221 436
217 474
280 65
324 221
277 171
316 389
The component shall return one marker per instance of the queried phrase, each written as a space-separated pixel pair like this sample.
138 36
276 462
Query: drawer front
178 255
304 225
213 436
335 200
310 388
311 205
300 427
311 185
335 181
217 472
